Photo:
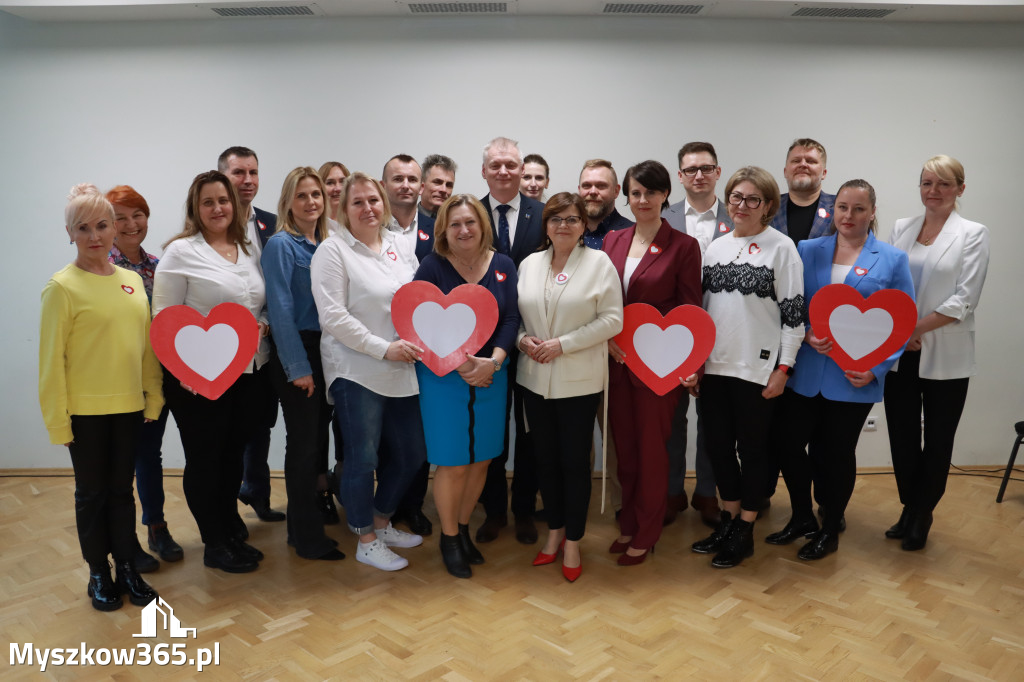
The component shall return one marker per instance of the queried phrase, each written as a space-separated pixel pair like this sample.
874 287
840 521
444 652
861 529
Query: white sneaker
379 555
393 537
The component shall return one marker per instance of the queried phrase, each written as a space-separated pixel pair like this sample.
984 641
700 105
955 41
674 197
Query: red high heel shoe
543 559
571 574
631 560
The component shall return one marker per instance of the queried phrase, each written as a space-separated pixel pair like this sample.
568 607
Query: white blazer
951 282
585 310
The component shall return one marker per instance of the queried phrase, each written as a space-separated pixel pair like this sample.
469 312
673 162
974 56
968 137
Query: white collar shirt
701 225
407 235
512 215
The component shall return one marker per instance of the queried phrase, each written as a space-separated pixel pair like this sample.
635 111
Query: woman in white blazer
948 261
570 302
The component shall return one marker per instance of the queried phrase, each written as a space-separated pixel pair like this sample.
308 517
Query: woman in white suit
570 303
948 261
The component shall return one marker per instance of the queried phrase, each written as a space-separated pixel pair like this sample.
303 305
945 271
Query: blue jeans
149 470
367 419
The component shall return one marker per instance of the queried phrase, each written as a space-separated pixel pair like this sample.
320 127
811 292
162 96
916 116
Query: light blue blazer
887 268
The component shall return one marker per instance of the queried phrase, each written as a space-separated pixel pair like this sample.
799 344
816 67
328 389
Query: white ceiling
678 10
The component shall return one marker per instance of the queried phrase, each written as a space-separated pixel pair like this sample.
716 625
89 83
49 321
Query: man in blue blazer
805 212
702 216
518 231
242 168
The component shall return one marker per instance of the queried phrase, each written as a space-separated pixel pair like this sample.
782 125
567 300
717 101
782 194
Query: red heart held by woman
208 354
445 327
864 332
662 350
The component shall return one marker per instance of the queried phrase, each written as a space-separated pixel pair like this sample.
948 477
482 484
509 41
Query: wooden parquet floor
954 611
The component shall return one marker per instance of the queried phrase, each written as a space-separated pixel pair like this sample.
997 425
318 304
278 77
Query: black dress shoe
526 530
327 509
472 554
821 545
161 542
917 531
899 529
105 595
738 545
243 548
131 583
144 562
332 555
262 509
712 543
453 556
488 532
417 522
225 557
793 530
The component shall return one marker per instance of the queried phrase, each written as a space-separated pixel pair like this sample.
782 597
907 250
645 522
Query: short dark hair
696 148
652 175
404 158
537 158
556 205
240 152
439 161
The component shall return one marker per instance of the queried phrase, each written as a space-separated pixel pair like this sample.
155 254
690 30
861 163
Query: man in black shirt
805 212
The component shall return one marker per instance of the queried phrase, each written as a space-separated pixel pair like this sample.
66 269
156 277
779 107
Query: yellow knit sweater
94 352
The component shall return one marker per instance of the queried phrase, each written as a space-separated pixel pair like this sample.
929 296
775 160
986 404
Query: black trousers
262 418
832 429
738 421
307 422
921 470
103 456
213 436
562 431
524 478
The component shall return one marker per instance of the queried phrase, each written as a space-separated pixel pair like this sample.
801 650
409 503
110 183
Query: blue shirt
614 221
290 304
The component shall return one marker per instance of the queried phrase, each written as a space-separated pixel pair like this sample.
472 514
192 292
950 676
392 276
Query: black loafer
794 530
226 558
821 545
144 562
917 531
899 529
418 522
246 550
526 530
492 525
161 542
262 509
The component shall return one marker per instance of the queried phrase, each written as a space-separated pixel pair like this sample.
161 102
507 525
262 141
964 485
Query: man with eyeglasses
702 216
805 212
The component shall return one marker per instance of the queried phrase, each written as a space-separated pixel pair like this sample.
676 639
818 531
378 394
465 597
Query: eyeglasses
706 169
571 221
752 202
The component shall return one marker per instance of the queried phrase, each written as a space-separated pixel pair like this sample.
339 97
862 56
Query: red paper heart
663 350
858 327
207 354
445 327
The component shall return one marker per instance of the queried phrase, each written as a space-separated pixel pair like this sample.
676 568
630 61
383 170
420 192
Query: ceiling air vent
650 8
301 10
458 7
842 12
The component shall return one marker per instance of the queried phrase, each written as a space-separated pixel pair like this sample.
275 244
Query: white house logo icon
170 622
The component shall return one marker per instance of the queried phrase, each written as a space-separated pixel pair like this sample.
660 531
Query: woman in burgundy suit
661 267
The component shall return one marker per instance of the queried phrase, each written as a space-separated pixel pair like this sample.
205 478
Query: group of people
320 275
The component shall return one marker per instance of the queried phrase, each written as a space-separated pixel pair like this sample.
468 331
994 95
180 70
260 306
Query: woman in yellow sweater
98 382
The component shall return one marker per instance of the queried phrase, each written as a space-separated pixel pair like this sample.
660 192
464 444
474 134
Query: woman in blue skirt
464 411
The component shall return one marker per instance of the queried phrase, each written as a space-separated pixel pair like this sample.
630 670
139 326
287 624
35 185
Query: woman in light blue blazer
948 260
824 406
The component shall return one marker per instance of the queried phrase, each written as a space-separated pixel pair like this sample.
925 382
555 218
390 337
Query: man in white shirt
702 216
242 167
402 181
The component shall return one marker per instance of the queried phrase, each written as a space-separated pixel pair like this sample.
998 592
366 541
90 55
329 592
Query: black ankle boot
105 595
899 529
472 554
713 542
454 556
916 535
738 545
161 542
144 562
131 583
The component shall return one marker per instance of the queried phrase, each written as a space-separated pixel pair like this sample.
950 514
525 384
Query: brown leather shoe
526 530
674 505
710 513
488 532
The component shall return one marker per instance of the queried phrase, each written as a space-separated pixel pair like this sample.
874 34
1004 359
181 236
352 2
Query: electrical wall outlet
871 424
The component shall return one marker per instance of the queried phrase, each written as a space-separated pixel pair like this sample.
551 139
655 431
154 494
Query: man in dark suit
518 231
242 168
702 216
438 181
805 212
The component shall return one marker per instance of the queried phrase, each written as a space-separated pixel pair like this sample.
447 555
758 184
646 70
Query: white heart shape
663 350
443 330
207 352
859 333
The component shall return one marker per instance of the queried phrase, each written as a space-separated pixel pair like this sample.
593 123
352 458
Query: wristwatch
497 364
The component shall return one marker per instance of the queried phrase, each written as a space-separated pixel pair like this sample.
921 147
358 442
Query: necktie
504 242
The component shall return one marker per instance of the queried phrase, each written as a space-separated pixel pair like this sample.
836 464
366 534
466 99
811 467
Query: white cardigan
584 312
951 283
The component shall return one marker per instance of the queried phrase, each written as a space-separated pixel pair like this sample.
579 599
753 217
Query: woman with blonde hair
333 173
98 382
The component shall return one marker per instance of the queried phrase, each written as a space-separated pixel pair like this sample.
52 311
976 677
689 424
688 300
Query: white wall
152 104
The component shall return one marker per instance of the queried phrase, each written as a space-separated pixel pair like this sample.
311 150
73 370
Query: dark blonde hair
326 169
808 143
857 184
556 205
194 226
765 184
361 178
441 245
285 219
